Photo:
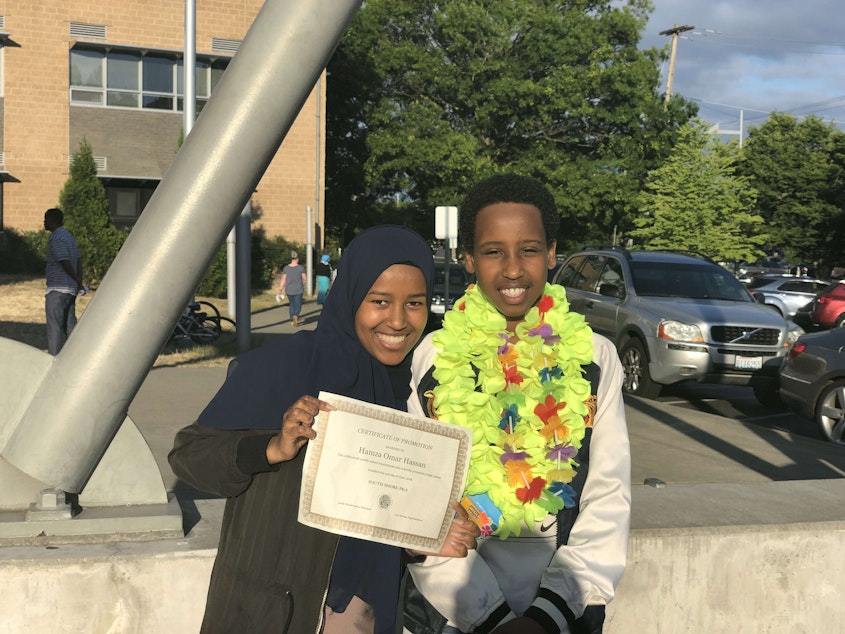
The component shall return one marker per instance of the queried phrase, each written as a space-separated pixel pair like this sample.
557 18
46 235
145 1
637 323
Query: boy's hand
461 537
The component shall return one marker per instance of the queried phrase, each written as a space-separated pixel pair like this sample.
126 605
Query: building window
127 203
127 198
208 73
122 79
158 82
126 78
86 76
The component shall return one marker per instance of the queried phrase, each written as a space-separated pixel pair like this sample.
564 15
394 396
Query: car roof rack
687 252
627 252
605 247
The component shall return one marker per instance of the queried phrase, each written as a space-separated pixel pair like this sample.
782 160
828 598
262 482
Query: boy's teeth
512 292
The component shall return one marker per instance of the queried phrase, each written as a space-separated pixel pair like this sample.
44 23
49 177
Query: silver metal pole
231 275
243 249
309 250
317 160
84 396
189 67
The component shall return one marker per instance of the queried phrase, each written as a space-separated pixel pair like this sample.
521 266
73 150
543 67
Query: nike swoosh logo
544 528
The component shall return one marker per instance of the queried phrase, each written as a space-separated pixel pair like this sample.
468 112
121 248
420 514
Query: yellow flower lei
524 401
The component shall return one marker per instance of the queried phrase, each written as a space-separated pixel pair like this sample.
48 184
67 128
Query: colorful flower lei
523 395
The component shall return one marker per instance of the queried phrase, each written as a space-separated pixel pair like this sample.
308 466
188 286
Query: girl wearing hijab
271 573
323 270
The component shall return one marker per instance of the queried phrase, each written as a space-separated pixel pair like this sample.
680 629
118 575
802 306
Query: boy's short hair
506 188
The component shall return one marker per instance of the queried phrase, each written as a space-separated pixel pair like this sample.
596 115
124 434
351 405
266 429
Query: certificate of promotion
380 474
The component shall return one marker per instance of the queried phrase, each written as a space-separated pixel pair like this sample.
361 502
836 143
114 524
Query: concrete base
755 579
111 587
765 578
114 523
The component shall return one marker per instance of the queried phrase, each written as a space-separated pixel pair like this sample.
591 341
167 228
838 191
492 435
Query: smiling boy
549 479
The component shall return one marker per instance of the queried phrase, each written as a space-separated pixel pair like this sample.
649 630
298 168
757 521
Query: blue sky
756 56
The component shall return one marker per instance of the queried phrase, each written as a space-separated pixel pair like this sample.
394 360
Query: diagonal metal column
85 394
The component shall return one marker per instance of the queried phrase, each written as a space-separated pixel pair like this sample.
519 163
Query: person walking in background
292 284
64 280
323 271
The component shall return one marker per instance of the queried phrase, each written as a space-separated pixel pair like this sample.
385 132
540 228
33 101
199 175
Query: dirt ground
22 319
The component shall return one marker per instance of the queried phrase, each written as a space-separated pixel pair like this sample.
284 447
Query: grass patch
22 319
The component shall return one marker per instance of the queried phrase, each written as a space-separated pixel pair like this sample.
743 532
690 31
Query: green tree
431 96
86 207
832 230
696 201
795 167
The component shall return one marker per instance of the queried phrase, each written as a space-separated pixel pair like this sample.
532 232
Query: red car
828 309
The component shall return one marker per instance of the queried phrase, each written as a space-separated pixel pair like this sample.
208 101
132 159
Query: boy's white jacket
583 572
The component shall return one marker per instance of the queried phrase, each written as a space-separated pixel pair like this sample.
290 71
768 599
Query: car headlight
793 333
678 331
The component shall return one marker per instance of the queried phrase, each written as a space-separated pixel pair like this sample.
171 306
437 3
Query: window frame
213 66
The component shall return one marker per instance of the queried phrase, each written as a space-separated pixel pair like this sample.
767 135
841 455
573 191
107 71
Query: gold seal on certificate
380 474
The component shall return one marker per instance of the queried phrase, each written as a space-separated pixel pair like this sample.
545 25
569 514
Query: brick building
111 73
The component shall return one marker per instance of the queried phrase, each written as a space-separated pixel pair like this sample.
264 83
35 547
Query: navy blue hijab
262 384
330 358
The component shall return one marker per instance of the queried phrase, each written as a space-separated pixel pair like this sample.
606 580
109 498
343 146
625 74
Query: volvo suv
677 317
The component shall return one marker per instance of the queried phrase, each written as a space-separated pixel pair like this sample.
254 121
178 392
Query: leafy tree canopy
797 168
426 98
86 207
696 201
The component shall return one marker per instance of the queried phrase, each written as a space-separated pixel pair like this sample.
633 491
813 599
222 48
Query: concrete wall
755 579
118 594
138 143
759 579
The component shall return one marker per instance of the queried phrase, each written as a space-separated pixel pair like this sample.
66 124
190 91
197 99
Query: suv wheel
830 412
635 364
840 321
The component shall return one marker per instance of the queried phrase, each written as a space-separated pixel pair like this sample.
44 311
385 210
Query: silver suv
675 318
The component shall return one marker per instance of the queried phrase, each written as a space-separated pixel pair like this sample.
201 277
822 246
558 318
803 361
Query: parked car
828 308
458 281
559 260
749 270
785 293
812 381
676 317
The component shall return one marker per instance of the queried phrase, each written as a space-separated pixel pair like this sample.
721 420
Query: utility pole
737 132
674 32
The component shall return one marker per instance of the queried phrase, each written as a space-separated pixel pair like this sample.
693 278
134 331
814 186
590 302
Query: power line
764 114
754 38
830 103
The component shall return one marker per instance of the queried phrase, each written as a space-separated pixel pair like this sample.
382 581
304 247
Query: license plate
438 309
748 363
